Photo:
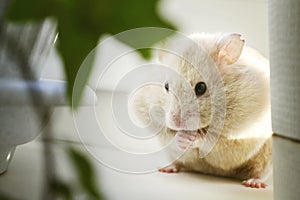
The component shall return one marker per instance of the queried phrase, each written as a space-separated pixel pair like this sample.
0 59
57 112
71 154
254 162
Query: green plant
81 23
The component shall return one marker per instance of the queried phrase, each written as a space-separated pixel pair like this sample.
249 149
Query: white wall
248 17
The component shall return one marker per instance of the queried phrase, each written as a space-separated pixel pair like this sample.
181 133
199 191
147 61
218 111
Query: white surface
26 170
23 179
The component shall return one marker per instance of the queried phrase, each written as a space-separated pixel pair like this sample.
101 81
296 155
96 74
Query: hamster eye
200 89
167 86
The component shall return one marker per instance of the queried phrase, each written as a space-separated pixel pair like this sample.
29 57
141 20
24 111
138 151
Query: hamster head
194 93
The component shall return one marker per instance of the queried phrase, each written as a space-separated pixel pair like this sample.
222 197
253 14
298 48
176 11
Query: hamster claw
186 140
254 183
170 169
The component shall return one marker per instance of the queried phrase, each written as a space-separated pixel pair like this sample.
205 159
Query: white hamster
243 147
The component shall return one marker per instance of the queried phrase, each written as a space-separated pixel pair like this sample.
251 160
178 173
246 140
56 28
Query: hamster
242 148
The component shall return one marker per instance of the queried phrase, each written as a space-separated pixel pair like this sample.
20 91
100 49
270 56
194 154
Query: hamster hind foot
254 183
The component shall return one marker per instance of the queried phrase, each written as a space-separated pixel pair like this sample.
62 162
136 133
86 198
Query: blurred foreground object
284 30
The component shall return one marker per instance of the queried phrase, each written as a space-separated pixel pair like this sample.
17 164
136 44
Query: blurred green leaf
6 197
62 189
86 174
82 22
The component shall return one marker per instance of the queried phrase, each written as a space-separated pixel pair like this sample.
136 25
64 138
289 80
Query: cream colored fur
244 147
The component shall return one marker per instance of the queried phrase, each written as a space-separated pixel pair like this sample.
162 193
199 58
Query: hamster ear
229 48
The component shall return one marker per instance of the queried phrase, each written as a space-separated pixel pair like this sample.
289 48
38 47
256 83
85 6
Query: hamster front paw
254 183
186 139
